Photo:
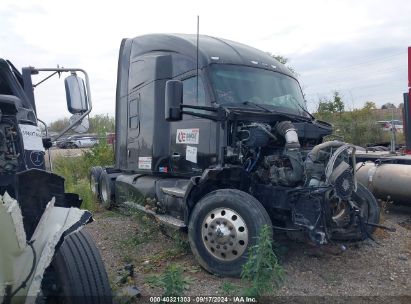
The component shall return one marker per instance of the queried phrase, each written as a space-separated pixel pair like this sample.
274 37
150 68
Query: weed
179 247
147 229
229 289
172 281
262 270
192 269
143 235
384 207
127 258
165 255
154 281
75 171
180 242
110 214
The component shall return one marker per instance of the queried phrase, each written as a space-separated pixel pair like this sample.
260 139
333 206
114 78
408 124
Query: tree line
99 124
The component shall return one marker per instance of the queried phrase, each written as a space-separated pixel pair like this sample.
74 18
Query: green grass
262 271
229 289
75 171
172 281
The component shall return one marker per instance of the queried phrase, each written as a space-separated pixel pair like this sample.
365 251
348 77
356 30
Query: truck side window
190 91
133 112
137 75
4 86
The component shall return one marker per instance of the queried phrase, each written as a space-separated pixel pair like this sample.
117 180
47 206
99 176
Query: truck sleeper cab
222 144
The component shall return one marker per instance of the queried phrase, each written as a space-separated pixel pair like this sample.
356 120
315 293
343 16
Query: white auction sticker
191 154
144 163
32 138
188 136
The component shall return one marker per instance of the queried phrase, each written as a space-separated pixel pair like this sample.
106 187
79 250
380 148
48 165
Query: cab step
163 218
174 191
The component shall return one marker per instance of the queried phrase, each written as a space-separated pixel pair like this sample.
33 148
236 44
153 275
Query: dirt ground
381 268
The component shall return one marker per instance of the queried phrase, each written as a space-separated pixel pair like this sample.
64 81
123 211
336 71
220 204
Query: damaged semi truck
45 256
216 134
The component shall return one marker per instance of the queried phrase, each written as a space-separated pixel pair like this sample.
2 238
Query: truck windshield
234 85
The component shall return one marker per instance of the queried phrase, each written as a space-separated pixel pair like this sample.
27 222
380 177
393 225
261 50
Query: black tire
250 211
94 179
106 190
371 211
78 272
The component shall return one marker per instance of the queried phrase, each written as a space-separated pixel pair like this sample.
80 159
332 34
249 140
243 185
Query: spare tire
76 274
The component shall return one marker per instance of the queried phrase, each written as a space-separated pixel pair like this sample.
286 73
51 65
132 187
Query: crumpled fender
23 262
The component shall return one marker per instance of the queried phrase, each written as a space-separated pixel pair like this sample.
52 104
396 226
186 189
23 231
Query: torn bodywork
311 190
23 259
41 239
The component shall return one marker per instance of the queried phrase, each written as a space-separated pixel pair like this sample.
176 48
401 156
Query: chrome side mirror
76 95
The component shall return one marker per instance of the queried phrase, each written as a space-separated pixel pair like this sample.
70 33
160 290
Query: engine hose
297 164
292 150
252 164
313 156
289 132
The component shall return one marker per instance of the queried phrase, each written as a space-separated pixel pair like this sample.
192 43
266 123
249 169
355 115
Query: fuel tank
383 180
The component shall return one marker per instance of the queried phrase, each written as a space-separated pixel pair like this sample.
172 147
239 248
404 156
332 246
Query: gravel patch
381 268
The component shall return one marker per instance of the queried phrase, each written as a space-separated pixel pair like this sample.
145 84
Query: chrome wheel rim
224 234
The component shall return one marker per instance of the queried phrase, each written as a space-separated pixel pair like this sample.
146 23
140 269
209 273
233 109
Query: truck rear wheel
95 173
223 226
106 190
76 274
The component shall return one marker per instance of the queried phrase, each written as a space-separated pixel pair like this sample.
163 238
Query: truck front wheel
223 226
76 274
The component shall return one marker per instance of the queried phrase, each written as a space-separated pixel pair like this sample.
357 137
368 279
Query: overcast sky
356 47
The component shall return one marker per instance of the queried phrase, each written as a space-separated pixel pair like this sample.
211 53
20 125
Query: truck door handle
175 155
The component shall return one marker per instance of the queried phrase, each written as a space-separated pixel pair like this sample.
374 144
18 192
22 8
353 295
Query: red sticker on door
188 136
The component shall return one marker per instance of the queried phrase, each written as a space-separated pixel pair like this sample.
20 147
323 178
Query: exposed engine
319 181
8 146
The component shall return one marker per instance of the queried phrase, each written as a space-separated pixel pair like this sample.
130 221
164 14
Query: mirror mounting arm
43 80
220 113
70 70
206 116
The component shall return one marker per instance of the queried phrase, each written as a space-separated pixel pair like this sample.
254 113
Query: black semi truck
213 136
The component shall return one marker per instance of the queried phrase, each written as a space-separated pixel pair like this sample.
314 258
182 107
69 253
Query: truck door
136 79
133 130
190 138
